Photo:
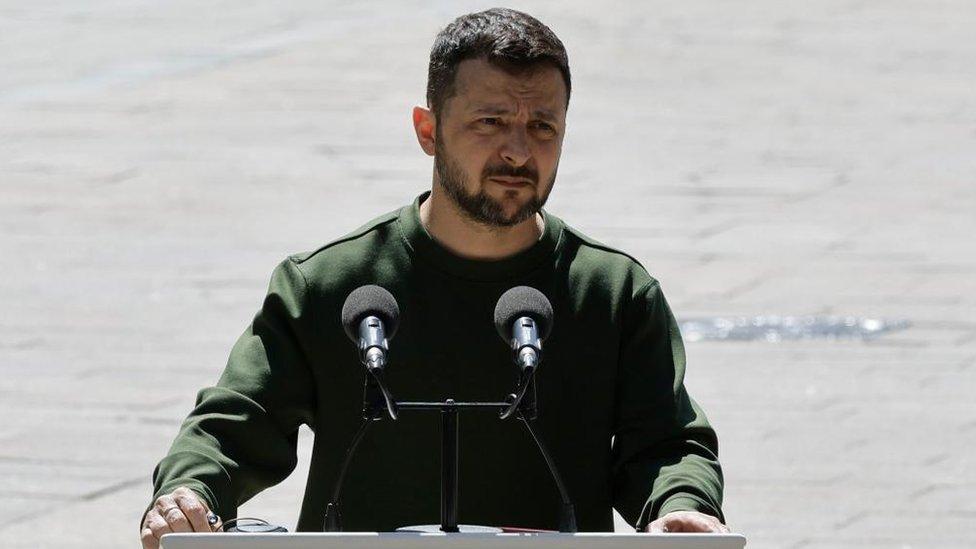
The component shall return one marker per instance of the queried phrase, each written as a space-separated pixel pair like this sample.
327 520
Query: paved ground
157 161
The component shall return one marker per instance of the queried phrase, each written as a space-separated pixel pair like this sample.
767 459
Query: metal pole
449 467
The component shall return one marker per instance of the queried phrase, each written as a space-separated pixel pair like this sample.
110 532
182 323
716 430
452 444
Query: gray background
763 157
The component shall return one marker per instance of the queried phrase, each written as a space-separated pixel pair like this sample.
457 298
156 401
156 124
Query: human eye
544 128
490 121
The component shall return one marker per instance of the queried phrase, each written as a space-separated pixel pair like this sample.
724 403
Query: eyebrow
544 114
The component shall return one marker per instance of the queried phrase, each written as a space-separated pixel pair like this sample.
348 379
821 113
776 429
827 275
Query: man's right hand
181 510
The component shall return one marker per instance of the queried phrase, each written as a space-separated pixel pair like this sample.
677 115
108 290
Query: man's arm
241 436
665 453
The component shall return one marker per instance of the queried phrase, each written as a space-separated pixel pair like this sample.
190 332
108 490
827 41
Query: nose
515 151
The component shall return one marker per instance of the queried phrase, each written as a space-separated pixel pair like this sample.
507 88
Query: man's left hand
687 521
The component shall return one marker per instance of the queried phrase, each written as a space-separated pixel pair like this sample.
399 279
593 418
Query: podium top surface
372 540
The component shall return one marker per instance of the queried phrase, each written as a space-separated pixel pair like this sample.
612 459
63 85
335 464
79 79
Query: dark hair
509 39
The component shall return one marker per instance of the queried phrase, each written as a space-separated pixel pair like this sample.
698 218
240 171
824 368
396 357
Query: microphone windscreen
366 301
523 301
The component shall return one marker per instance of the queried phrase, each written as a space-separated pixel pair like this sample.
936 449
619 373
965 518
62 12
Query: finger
656 527
695 522
183 491
194 511
691 524
676 522
720 528
662 525
711 524
177 520
149 540
163 504
167 508
158 525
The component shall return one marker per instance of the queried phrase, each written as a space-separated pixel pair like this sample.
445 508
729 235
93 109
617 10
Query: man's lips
514 182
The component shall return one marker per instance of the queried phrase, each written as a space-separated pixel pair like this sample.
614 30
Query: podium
402 540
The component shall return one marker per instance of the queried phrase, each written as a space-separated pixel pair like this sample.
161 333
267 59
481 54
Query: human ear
424 124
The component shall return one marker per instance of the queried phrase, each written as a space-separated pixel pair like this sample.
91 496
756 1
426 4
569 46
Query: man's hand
181 510
687 521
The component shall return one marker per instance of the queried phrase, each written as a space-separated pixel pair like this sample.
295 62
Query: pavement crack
851 520
118 486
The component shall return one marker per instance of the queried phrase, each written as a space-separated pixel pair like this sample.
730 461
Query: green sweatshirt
612 405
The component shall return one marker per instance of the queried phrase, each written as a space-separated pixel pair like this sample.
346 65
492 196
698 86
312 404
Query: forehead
480 83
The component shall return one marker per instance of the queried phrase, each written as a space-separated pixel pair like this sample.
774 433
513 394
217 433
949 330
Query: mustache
505 170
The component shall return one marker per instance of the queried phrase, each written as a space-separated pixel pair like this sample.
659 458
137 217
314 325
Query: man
498 90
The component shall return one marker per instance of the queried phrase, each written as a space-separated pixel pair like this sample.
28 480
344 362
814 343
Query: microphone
523 318
370 317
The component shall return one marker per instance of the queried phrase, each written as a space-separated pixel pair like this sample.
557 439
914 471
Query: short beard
479 207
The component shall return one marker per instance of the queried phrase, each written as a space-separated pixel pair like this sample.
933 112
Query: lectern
372 540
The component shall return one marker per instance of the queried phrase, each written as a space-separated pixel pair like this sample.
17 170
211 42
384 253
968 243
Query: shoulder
352 257
351 239
594 262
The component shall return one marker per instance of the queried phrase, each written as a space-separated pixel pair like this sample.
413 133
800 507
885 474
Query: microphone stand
378 402
527 413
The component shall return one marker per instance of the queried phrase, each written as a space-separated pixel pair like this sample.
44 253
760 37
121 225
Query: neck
466 238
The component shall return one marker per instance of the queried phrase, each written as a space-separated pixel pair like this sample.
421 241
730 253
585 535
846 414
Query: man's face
498 141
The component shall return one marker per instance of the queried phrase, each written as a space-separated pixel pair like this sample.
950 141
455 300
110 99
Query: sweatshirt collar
423 245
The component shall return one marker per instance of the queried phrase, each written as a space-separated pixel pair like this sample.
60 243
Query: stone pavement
158 159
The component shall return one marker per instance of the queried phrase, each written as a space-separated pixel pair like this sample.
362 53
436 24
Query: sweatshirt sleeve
665 453
241 436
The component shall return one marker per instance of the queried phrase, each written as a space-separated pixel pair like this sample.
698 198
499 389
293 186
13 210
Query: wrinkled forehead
480 84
